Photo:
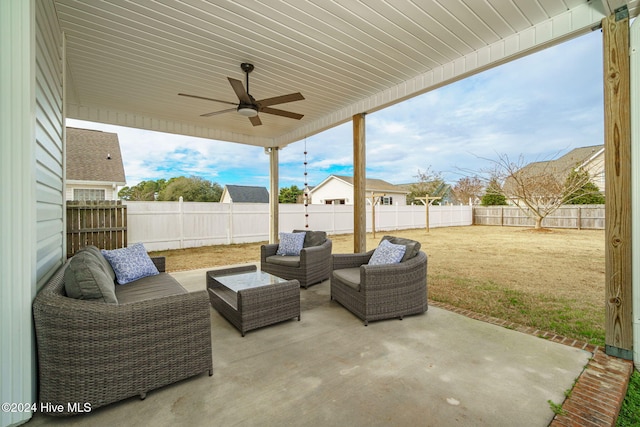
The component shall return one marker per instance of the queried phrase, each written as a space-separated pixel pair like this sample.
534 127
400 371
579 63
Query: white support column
18 207
274 192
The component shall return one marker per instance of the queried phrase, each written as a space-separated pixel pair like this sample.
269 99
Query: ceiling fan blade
281 99
282 113
241 93
215 113
208 99
255 120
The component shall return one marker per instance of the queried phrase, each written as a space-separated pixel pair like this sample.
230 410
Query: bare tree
428 182
468 188
539 188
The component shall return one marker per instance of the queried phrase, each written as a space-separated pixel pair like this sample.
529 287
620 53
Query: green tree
493 195
586 193
191 189
143 191
289 194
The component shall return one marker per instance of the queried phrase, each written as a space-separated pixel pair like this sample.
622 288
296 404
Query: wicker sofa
375 292
312 266
95 353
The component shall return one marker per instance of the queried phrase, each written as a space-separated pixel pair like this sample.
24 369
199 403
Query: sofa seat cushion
286 260
349 276
85 278
160 285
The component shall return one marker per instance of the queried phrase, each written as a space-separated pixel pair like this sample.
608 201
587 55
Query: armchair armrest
268 250
316 253
380 278
350 260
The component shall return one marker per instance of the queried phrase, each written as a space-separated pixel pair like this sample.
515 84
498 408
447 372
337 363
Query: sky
535 108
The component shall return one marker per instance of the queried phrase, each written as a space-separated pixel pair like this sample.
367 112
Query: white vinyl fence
176 225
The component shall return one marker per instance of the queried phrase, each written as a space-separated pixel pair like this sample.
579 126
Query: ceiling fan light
247 111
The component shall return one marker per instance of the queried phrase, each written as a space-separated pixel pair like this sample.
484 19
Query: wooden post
373 211
617 149
359 185
274 192
427 201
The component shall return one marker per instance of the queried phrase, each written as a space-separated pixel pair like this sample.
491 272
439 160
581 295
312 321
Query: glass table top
247 280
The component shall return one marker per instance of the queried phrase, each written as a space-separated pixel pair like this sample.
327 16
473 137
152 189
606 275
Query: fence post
181 220
579 217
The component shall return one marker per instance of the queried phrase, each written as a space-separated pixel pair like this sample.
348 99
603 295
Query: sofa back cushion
85 278
102 260
313 238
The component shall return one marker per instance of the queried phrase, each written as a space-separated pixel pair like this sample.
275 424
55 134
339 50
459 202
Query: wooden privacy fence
102 223
568 216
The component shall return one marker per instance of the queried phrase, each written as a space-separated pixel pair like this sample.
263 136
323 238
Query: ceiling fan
248 106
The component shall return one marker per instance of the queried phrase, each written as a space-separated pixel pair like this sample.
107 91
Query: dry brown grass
552 280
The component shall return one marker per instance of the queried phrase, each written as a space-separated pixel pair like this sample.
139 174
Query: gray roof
247 194
561 166
88 153
373 184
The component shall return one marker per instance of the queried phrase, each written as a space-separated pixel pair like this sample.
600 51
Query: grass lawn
552 280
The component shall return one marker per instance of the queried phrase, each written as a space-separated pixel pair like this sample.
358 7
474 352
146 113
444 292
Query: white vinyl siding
49 143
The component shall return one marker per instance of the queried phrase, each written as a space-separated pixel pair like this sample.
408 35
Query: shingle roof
247 194
373 184
562 165
87 156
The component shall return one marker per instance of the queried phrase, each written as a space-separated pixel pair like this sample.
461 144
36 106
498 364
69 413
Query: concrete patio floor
436 369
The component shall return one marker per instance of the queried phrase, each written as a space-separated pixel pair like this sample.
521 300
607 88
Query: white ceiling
127 60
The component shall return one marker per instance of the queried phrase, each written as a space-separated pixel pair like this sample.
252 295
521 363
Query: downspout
634 63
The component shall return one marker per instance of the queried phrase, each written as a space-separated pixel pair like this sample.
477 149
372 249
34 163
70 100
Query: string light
306 188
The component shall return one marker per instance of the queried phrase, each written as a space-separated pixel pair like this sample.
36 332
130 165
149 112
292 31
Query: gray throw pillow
84 278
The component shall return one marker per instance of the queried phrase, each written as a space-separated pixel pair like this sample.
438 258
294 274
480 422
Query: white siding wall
331 190
109 192
49 143
31 178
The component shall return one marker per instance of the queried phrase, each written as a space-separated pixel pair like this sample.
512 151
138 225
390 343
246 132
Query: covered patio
125 63
435 369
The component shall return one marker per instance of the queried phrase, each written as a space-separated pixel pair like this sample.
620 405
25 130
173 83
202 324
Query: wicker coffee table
251 299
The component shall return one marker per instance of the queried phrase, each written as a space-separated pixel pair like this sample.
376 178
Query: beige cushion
349 276
85 278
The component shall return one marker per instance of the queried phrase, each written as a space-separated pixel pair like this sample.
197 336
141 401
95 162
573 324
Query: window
387 200
88 194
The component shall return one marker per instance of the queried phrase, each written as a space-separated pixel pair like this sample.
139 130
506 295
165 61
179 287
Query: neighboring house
244 194
590 159
337 189
94 165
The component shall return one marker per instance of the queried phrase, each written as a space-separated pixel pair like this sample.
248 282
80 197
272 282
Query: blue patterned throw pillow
131 263
290 243
387 253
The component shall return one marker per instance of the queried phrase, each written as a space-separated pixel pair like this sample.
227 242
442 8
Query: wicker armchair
375 292
311 267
